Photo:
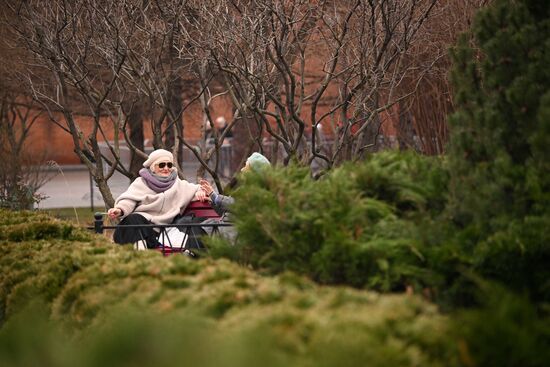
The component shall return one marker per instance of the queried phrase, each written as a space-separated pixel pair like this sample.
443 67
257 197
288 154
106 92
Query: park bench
195 213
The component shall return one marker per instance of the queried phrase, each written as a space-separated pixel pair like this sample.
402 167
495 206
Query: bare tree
291 66
292 69
423 118
20 174
104 59
67 74
147 31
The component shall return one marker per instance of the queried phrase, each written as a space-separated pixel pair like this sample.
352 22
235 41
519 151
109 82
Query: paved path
70 187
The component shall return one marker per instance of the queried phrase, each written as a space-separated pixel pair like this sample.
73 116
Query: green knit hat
257 162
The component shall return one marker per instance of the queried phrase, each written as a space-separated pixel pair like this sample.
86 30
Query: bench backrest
201 209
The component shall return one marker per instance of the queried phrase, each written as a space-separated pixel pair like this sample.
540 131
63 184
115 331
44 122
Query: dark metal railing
99 228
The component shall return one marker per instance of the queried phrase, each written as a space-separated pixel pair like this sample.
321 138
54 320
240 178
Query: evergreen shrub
506 330
18 226
499 188
38 271
498 154
67 303
95 303
518 257
358 225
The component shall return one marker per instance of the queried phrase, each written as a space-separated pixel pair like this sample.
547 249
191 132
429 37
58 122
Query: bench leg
140 245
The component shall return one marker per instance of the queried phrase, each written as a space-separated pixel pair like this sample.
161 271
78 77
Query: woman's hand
205 185
201 195
114 213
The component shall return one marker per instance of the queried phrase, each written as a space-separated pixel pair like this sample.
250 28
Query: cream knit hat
157 156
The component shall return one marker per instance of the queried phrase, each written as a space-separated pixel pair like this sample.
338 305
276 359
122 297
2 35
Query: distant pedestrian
221 126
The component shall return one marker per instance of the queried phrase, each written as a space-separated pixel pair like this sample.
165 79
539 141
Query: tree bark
135 124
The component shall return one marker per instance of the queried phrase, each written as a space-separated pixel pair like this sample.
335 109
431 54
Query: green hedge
20 226
381 224
507 330
359 225
95 303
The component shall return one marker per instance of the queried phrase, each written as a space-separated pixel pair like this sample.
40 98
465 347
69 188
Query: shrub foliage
91 302
398 220
456 230
359 225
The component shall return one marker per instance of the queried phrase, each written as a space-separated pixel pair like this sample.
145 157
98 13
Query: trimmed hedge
359 225
18 226
92 303
96 303
383 225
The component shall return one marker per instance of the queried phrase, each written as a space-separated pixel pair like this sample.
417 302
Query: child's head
256 162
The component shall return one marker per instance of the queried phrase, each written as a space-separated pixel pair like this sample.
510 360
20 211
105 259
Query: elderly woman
157 196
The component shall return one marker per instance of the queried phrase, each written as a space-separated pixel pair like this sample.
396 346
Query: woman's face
163 168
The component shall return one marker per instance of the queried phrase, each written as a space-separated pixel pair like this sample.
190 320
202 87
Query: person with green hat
221 203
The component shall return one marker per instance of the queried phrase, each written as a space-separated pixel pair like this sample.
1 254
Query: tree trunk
405 129
367 141
243 143
135 123
105 191
176 109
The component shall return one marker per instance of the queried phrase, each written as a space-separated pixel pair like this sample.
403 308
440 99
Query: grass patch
83 216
